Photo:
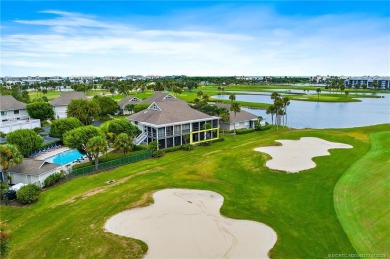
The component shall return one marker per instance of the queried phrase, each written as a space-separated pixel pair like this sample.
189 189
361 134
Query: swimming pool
65 157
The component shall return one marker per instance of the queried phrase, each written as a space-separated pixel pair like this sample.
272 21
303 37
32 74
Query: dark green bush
218 140
244 131
172 149
158 153
28 194
38 130
187 147
54 178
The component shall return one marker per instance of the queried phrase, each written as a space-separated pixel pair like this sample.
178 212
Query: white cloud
233 42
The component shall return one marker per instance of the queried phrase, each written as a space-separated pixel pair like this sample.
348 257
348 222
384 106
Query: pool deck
51 153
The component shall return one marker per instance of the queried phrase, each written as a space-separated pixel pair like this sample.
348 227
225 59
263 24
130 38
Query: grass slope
362 198
68 220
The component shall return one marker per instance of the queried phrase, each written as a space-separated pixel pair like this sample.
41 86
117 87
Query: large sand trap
187 224
296 155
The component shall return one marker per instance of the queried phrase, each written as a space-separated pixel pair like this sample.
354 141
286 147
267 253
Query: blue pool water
65 157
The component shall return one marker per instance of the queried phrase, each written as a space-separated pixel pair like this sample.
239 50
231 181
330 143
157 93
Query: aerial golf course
338 207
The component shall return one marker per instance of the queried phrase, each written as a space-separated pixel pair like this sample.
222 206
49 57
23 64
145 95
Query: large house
240 120
381 81
172 122
61 103
14 115
125 101
32 171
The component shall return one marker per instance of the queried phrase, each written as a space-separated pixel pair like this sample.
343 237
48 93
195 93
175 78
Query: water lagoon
320 115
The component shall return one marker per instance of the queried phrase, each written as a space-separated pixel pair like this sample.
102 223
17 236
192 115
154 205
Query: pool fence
112 163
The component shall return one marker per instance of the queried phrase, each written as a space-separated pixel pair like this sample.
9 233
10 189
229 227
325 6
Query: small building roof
66 97
158 97
33 167
168 112
128 99
239 116
8 102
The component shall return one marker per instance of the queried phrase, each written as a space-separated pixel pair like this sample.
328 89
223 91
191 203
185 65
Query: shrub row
54 178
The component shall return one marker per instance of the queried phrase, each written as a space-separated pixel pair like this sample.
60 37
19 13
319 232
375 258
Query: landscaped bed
68 220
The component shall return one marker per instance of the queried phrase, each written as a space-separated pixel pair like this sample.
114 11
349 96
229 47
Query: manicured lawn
68 220
362 198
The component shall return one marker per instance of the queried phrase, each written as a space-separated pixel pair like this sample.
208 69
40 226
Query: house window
16 112
186 129
177 130
161 132
3 113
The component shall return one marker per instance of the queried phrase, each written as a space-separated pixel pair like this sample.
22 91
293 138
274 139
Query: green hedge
54 178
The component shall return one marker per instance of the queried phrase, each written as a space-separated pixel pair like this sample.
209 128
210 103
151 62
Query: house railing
140 138
112 163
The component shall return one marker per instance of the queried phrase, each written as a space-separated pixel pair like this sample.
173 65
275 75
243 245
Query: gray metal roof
128 99
158 97
8 102
66 97
240 116
33 167
169 112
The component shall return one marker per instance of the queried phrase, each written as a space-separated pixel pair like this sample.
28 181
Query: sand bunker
187 224
296 155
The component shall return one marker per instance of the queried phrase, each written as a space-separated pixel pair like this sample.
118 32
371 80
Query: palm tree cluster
278 109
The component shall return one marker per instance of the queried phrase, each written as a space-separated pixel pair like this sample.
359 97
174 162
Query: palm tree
271 110
95 146
286 102
278 104
364 86
124 142
375 85
318 90
235 107
275 95
224 118
232 97
9 156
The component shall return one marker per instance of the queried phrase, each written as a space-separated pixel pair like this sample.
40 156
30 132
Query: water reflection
321 115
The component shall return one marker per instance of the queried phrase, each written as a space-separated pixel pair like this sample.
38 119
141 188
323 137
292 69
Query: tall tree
375 85
26 140
224 118
232 97
271 110
286 102
78 137
124 142
60 126
275 95
106 104
235 107
318 90
95 146
84 110
9 156
40 110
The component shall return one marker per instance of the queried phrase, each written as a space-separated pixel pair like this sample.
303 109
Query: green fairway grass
68 219
362 198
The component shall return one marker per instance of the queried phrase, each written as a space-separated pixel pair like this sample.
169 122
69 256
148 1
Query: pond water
301 114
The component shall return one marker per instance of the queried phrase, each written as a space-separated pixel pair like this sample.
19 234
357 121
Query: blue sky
294 38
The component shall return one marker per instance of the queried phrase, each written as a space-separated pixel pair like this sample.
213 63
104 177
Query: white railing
140 138
9 126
